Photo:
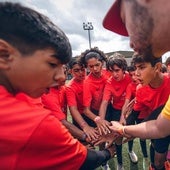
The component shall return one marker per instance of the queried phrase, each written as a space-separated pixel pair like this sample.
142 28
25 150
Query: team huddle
110 102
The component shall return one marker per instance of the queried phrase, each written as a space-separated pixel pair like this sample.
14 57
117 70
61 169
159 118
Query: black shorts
161 145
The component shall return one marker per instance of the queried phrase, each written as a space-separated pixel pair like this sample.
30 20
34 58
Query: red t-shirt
106 73
32 137
148 98
116 91
55 101
131 91
74 93
93 91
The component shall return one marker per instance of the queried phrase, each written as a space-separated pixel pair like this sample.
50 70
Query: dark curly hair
92 53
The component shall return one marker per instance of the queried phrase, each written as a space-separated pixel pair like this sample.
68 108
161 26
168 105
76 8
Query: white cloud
69 15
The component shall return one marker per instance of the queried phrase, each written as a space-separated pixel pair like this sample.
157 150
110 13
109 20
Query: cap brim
113 21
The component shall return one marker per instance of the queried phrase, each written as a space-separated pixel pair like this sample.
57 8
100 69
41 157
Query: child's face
95 66
134 77
145 72
78 72
34 74
117 73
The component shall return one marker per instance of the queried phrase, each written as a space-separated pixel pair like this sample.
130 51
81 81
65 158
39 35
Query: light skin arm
89 113
88 130
153 129
150 130
102 124
124 111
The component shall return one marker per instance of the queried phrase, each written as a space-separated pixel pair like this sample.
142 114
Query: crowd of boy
34 131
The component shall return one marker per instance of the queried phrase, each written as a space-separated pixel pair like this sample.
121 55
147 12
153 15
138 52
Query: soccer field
128 165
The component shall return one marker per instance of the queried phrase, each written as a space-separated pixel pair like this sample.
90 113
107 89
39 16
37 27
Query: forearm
76 132
150 130
103 108
78 117
89 113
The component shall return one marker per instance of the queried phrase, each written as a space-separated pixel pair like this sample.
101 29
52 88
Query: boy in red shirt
32 53
115 91
129 98
56 101
151 96
74 91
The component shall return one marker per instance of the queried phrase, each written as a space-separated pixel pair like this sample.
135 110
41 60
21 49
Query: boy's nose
60 76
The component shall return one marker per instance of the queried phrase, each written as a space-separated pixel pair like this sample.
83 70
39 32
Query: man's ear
5 53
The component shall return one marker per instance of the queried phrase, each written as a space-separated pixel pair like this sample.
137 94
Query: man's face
139 25
149 33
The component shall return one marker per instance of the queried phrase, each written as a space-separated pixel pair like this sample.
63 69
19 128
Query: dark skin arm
76 132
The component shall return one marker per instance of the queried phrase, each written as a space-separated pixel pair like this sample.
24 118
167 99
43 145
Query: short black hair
131 68
137 58
75 60
28 31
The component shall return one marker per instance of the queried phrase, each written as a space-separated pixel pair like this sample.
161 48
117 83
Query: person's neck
157 81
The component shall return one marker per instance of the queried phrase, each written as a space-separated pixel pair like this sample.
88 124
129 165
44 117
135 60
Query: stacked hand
115 135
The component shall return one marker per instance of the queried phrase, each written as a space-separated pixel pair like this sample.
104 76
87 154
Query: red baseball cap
113 22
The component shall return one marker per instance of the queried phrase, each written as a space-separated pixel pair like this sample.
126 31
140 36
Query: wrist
84 136
97 118
121 131
83 124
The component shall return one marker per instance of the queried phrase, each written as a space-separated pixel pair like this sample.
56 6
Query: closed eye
53 65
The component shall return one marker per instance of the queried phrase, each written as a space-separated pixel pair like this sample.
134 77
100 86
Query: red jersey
33 138
116 91
131 91
93 91
148 98
74 93
106 73
55 101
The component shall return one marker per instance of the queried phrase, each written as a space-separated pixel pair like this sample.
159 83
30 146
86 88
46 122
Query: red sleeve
51 102
52 147
71 96
87 96
129 92
107 91
138 106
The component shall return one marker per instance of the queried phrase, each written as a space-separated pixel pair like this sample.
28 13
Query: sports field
128 165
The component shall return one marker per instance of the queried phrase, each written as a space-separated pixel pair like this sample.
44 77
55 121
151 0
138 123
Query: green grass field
128 165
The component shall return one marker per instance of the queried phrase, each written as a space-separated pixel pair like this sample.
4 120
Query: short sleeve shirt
74 93
33 138
116 91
